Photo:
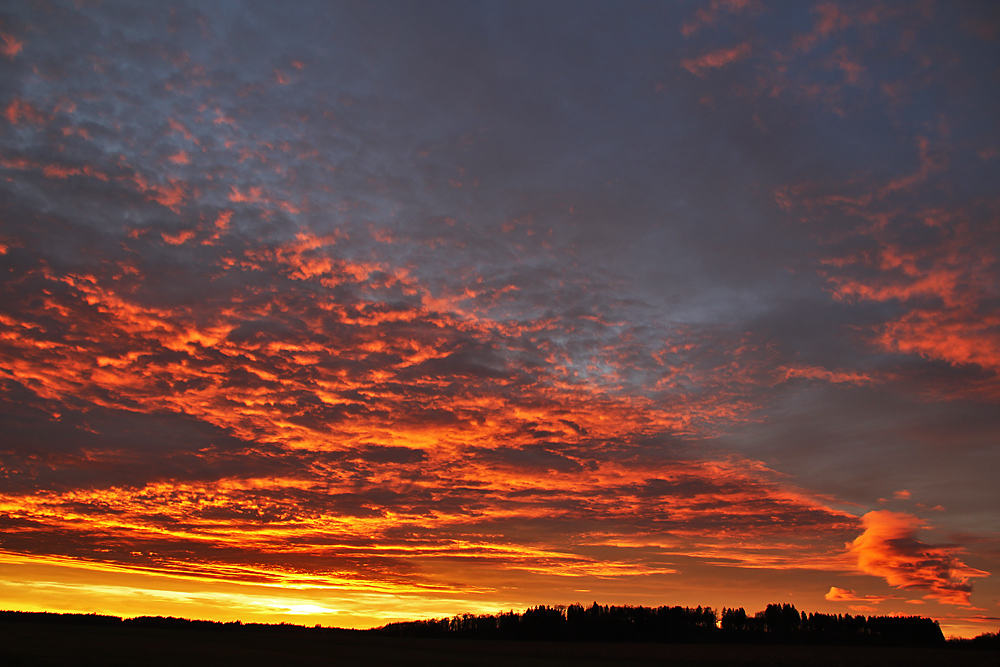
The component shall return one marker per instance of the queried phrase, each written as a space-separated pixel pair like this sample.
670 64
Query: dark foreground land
66 644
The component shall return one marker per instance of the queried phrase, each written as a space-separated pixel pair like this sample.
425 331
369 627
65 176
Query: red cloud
959 337
19 110
716 59
11 45
889 549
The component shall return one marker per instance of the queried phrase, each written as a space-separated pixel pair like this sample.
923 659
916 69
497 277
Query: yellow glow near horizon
65 585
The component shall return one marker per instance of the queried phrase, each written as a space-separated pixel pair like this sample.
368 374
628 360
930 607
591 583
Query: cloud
935 266
889 549
716 59
958 336
844 595
11 45
837 377
709 15
20 111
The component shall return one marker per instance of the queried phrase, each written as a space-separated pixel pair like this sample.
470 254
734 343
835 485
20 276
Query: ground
60 644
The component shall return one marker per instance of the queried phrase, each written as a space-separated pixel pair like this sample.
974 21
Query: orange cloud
844 595
224 219
888 548
53 170
171 196
179 238
716 59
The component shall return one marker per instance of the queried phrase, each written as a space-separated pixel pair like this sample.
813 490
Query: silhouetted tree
781 619
734 620
990 640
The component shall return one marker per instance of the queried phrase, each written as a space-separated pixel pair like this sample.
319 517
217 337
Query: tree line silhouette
163 622
778 623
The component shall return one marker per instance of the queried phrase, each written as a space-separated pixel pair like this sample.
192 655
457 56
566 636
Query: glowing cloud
844 595
889 549
837 377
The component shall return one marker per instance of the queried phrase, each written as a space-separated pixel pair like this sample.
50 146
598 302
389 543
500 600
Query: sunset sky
355 312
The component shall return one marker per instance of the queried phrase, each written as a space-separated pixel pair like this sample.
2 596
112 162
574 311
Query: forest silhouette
778 623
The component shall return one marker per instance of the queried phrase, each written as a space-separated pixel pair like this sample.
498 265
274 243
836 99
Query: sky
355 312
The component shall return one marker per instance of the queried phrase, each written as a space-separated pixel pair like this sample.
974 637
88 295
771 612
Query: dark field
61 644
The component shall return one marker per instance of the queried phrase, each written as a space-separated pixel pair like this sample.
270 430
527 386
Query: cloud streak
836 594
